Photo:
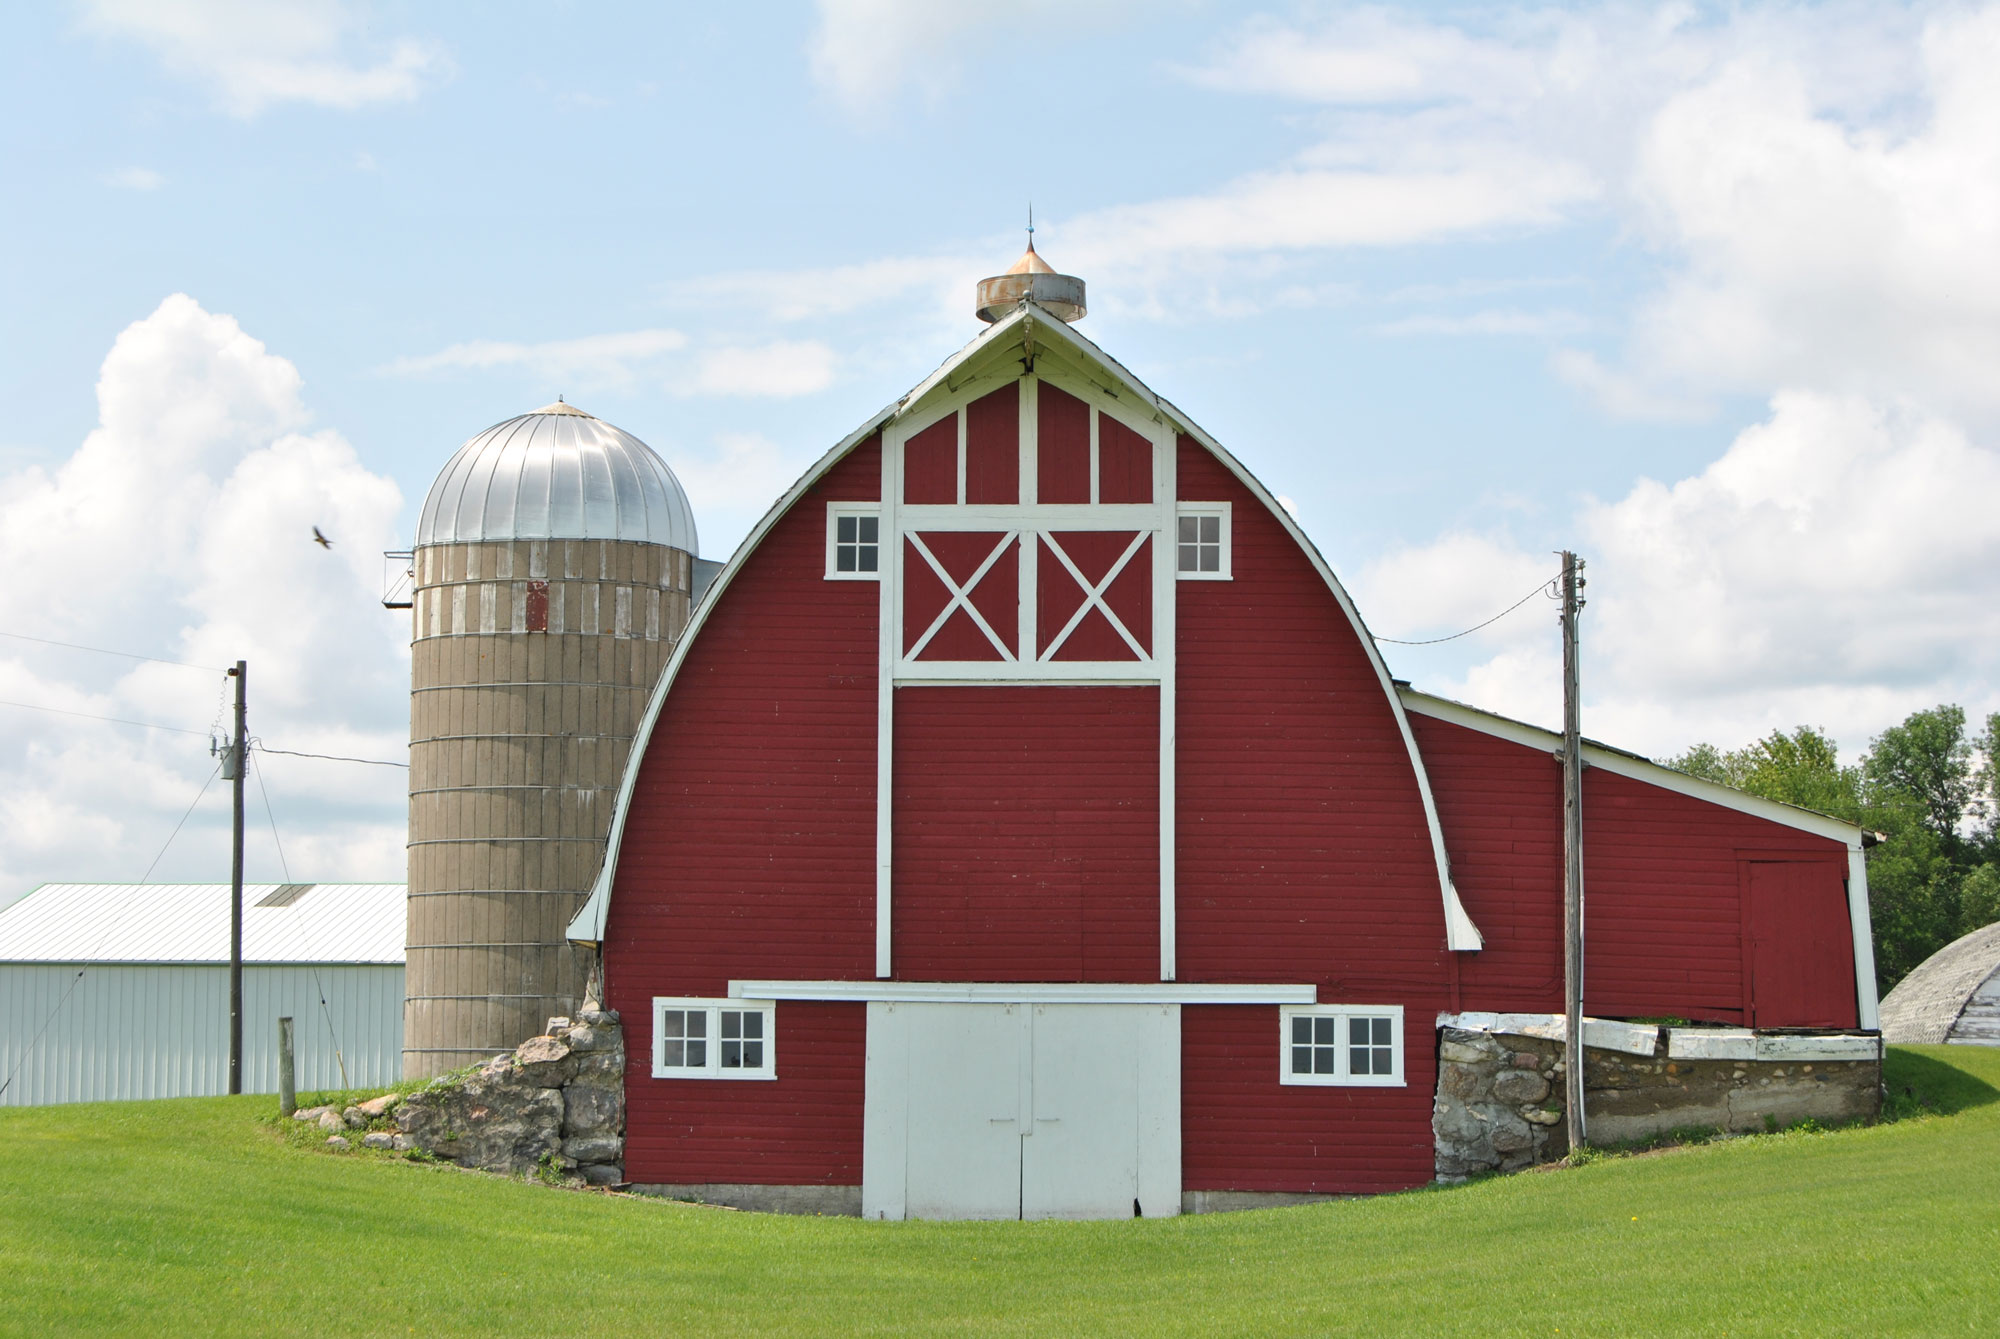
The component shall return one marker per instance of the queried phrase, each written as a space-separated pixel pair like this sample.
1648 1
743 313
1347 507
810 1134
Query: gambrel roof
1029 333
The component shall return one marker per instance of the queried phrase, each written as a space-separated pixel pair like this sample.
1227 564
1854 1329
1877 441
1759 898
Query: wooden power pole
1572 760
235 763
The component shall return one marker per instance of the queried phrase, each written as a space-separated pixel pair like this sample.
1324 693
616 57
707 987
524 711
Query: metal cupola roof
1030 279
556 473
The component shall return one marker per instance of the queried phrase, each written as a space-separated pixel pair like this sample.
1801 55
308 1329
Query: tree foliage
1928 787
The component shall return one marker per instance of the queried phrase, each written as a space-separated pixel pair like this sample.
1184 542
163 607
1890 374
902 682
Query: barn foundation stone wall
554 1106
1500 1107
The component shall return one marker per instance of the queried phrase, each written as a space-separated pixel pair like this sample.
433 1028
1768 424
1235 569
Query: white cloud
778 369
135 179
1493 321
864 51
1818 250
734 484
252 55
182 527
782 368
594 360
1621 394
1833 568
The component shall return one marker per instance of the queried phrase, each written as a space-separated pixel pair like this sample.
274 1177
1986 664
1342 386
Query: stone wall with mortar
555 1105
1500 1107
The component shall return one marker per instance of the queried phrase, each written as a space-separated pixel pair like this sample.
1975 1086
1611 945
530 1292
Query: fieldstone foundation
554 1106
1500 1105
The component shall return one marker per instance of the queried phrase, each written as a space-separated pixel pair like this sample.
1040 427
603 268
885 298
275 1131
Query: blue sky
1709 294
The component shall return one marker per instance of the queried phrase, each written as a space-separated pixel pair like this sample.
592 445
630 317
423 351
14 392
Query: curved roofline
587 927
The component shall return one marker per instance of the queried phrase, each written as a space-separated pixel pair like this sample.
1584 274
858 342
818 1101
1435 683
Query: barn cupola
1030 279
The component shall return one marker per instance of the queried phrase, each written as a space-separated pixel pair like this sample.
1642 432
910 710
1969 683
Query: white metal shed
111 991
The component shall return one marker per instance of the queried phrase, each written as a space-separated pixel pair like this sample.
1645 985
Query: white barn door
1022 1111
1106 1112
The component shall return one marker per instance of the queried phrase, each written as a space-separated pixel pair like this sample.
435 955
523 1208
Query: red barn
1028 825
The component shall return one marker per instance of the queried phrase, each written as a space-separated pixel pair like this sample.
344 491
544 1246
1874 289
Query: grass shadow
1916 1084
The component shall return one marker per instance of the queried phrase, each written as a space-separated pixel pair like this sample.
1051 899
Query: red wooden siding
1027 834
930 464
750 852
1663 888
1124 463
1303 855
1062 447
803 1128
993 447
1241 1129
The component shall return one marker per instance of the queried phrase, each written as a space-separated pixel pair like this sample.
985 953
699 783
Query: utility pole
234 764
1572 761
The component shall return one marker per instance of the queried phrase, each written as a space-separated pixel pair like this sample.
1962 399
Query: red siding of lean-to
1663 884
749 851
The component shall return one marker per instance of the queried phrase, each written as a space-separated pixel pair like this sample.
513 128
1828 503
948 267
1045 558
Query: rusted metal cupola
553 574
1032 279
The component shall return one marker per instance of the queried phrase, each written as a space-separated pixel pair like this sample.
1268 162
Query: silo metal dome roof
556 473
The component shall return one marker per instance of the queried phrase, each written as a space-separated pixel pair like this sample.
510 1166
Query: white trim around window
854 553
715 1039
1201 541
1344 1045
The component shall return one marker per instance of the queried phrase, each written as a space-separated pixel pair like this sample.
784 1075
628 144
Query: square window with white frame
1202 541
1341 1045
853 541
714 1039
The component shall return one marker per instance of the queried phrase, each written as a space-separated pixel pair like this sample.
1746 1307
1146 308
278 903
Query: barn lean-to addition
1027 825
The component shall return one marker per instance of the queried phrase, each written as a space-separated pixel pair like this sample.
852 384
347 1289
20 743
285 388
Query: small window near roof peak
1201 541
853 541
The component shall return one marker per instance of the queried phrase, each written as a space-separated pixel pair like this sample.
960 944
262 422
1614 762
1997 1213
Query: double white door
1022 1111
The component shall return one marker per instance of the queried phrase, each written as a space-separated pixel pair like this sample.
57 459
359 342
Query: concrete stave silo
554 570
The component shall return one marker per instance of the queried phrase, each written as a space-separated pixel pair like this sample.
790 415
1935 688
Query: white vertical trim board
1867 1005
889 646
1166 657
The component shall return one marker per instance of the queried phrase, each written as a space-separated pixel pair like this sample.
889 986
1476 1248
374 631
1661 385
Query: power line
182 730
110 928
115 720
98 650
1433 641
258 744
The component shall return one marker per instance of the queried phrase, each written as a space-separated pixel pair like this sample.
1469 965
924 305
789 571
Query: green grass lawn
195 1217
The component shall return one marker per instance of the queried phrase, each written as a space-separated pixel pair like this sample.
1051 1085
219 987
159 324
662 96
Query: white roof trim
1019 992
1634 767
1460 932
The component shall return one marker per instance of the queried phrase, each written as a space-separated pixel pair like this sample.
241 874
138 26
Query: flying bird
320 539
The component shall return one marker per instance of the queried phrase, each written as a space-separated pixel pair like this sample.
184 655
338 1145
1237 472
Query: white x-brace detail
961 596
1093 596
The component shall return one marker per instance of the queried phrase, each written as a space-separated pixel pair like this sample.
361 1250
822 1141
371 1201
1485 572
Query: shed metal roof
1933 1002
189 922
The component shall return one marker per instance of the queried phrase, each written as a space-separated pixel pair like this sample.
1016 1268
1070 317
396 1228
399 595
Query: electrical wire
111 926
258 745
318 988
1433 641
115 720
98 650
